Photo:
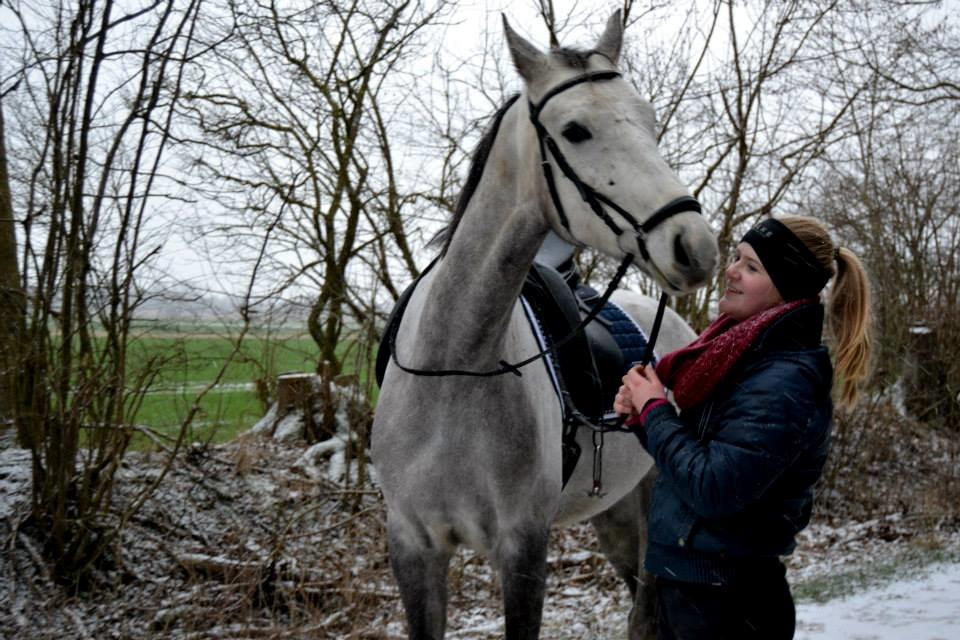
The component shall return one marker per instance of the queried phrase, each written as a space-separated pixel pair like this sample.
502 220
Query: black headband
791 265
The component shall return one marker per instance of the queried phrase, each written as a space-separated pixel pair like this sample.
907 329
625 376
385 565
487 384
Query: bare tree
915 55
11 293
91 107
893 197
297 129
761 117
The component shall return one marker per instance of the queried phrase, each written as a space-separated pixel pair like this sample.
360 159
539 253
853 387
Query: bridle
596 202
590 195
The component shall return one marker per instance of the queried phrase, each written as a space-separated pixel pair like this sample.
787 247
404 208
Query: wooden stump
305 394
295 392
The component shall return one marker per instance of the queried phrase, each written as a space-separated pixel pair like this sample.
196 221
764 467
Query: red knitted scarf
694 371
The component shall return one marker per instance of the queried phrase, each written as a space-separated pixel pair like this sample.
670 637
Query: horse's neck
477 282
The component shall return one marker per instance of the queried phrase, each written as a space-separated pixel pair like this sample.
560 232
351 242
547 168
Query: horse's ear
612 39
528 60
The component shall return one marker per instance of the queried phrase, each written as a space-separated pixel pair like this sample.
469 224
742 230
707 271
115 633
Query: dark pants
760 608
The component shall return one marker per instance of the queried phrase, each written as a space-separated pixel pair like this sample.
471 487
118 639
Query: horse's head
611 189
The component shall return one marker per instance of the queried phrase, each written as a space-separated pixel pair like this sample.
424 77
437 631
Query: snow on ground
242 542
922 608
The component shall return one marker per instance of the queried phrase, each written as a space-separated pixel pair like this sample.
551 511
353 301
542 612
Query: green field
188 358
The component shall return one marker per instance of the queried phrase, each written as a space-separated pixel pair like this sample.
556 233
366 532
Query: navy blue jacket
736 474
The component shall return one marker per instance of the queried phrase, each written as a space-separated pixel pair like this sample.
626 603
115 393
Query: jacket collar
800 328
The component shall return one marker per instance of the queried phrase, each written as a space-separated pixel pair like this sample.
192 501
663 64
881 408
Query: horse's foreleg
522 562
622 533
421 573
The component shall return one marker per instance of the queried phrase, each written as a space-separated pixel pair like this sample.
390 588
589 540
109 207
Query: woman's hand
640 385
623 403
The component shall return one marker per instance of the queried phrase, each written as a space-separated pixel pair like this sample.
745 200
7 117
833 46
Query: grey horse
473 460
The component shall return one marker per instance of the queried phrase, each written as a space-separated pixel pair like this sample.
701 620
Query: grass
197 358
188 357
222 415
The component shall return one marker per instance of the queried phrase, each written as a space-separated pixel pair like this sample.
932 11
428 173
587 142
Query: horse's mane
478 161
573 58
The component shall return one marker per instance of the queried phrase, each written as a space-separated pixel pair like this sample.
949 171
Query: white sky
470 23
462 44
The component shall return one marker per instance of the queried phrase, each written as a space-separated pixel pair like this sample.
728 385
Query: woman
738 463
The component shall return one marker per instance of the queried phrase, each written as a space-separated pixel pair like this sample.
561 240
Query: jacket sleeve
756 432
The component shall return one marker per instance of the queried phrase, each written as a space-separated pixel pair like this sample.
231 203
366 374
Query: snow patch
289 428
16 480
265 424
924 608
311 462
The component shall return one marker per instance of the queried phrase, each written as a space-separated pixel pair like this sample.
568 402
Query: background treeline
300 155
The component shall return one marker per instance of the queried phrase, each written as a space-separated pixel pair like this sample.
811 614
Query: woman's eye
576 132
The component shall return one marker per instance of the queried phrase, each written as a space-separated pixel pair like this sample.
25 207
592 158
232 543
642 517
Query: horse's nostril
679 252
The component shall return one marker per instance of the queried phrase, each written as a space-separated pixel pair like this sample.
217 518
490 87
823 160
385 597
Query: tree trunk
11 294
925 391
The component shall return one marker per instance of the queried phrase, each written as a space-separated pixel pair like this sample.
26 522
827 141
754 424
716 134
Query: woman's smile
749 288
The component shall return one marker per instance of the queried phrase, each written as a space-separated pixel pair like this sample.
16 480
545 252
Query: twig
244 632
361 592
220 567
78 622
153 436
337 525
580 578
34 555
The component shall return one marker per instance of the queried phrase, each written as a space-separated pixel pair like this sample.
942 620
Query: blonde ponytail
849 321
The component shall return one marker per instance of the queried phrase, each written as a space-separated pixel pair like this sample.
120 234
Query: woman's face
749 289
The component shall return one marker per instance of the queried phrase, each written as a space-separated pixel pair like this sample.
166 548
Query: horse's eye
576 132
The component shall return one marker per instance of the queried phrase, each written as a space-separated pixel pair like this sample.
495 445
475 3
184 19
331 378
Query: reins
616 424
508 367
596 201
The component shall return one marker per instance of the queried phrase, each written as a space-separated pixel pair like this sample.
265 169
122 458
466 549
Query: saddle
588 366
591 363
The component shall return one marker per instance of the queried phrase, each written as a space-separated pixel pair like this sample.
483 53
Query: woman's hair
848 308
